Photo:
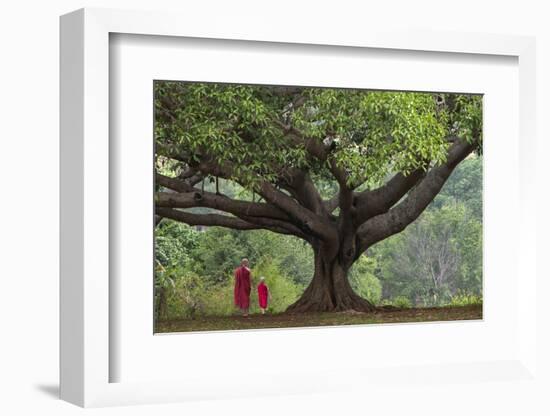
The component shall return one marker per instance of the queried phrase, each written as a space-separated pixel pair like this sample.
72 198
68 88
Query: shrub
398 302
363 280
401 302
187 297
283 290
464 299
217 299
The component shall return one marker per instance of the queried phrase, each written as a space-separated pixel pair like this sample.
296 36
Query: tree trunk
330 290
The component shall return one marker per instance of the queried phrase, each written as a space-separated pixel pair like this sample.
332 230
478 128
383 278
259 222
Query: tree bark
329 289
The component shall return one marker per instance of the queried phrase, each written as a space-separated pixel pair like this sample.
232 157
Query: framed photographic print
273 206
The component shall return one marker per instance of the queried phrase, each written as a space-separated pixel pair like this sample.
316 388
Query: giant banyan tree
341 169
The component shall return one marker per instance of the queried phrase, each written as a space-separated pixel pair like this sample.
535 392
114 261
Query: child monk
263 295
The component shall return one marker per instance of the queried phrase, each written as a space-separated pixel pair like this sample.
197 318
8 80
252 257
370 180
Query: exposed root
349 302
329 290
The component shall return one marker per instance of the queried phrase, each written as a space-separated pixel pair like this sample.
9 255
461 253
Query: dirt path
284 320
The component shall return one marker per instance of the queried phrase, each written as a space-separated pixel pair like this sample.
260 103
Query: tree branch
380 200
331 204
170 151
261 214
302 188
371 203
217 220
398 218
308 220
305 219
312 145
190 198
205 219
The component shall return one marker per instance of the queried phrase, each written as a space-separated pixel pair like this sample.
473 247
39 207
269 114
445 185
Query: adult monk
242 287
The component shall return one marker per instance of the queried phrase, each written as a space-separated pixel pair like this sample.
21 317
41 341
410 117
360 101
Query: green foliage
294 258
364 281
462 298
221 118
199 278
401 302
449 233
174 287
467 116
437 255
180 290
220 250
371 133
174 242
375 132
465 185
191 296
283 290
187 298
218 300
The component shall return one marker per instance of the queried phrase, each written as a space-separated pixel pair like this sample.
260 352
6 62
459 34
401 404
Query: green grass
284 320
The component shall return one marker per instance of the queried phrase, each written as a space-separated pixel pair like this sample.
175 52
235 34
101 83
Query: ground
284 320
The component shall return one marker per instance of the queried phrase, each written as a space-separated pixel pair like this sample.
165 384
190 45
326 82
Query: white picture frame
85 355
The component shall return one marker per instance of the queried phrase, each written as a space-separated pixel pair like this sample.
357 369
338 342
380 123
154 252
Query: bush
465 299
284 291
398 302
186 300
363 280
217 299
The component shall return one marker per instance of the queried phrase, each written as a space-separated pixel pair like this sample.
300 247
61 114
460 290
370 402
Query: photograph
280 206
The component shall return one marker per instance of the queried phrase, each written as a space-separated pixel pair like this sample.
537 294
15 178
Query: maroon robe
242 287
262 295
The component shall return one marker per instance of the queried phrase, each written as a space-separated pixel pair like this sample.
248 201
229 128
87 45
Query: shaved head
244 262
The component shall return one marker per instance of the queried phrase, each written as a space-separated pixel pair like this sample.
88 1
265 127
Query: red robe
262 295
242 287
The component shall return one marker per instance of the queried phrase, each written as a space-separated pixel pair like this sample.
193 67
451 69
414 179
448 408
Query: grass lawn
285 320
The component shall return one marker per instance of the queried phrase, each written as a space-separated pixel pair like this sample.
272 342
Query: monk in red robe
263 295
242 287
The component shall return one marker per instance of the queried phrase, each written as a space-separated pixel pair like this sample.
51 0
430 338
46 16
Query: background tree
465 187
364 281
453 220
425 262
385 155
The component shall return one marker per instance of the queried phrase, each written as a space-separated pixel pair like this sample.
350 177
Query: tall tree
386 155
427 258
